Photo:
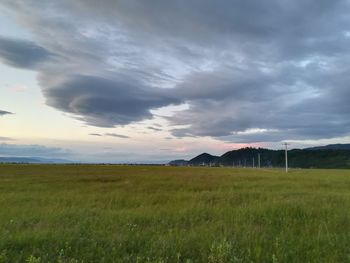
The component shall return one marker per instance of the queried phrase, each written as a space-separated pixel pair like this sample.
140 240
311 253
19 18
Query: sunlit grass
67 213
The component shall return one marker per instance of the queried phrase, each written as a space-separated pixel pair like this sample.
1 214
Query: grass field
87 213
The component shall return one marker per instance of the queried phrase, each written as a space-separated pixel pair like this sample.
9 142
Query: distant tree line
249 157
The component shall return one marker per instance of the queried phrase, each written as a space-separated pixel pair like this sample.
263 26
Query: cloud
22 53
106 102
249 71
32 151
117 135
256 110
154 128
2 112
95 134
110 134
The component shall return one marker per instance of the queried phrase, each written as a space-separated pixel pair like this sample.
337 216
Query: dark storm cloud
21 53
268 107
248 70
105 102
207 20
2 112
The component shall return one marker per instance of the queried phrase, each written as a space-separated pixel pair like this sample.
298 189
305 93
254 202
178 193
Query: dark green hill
204 159
331 147
248 157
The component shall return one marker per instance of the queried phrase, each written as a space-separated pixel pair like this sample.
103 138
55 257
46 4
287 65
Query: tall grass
87 213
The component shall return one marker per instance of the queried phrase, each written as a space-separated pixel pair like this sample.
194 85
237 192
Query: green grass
67 213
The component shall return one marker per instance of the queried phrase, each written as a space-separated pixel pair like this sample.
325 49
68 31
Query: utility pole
259 160
253 163
286 155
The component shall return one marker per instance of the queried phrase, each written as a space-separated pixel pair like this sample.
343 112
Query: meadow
96 213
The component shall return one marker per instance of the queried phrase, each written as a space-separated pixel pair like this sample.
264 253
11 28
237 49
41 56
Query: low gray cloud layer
5 138
248 70
32 151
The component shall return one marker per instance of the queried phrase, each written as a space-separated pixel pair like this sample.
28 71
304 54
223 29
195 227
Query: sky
154 80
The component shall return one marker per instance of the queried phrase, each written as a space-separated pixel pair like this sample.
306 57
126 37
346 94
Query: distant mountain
331 147
31 160
203 159
180 162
